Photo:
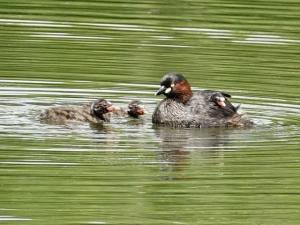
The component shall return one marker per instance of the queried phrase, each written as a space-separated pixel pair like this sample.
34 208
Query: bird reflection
178 144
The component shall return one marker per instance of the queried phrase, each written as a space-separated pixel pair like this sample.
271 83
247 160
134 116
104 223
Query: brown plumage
183 108
135 109
94 112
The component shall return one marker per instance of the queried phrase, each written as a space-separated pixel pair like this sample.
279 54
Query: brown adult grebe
184 108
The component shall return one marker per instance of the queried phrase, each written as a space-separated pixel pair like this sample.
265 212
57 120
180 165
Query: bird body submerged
95 112
69 113
183 108
98 111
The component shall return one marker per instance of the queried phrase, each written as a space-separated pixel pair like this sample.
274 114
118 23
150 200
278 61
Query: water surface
130 172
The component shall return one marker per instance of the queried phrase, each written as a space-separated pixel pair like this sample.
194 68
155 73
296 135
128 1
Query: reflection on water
130 171
177 145
78 162
262 38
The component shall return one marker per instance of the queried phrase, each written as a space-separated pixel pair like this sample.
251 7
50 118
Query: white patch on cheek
172 85
168 90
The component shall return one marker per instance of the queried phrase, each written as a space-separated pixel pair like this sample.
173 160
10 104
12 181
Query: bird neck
183 91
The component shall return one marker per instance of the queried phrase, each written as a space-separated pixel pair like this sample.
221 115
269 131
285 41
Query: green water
71 52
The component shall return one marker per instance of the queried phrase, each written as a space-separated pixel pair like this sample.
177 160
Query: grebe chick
135 109
95 112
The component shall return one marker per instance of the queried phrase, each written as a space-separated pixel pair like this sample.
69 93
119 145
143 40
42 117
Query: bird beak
161 90
141 110
222 104
113 108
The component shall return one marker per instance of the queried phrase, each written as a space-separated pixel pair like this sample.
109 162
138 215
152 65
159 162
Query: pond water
129 172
